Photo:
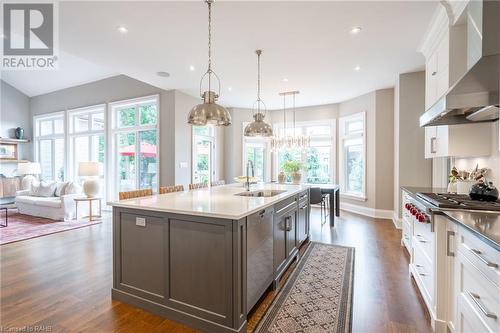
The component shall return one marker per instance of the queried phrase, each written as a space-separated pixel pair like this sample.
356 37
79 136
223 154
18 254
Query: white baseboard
397 221
367 211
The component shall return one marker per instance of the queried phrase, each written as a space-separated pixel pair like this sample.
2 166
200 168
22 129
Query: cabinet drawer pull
449 253
478 255
303 207
420 238
433 145
477 300
288 226
434 73
420 273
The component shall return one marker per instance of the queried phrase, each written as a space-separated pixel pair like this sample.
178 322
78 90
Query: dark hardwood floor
63 282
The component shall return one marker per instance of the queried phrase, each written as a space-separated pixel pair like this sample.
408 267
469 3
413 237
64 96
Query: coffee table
6 204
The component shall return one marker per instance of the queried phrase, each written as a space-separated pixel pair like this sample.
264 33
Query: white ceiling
72 71
309 43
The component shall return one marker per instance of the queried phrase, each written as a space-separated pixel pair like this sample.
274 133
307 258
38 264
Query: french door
136 160
203 159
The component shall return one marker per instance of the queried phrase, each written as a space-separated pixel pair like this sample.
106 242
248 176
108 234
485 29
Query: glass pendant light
209 112
258 127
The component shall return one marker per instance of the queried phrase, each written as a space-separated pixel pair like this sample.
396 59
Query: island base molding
173 314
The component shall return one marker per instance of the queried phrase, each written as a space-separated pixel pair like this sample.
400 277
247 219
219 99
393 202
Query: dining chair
171 189
315 198
218 183
135 194
196 186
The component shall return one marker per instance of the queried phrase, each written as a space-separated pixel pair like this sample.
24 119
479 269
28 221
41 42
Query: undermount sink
261 193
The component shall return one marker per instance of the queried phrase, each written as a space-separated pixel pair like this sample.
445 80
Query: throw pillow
43 189
72 188
34 188
60 187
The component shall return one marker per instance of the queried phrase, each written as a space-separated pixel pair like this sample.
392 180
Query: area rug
317 296
23 227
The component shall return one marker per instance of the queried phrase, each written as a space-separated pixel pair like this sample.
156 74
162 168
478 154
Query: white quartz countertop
219 201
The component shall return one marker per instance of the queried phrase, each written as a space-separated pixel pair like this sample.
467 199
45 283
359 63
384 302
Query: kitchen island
204 257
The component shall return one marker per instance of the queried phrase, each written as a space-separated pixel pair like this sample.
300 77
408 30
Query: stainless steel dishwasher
259 254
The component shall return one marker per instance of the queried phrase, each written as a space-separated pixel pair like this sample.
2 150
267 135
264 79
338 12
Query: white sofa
53 207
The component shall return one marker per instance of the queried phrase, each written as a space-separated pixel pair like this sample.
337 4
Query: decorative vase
296 177
19 133
281 177
452 187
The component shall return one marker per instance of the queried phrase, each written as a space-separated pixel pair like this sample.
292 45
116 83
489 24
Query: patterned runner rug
317 296
21 227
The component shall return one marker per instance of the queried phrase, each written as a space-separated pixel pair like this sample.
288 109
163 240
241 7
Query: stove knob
407 206
418 216
421 218
413 211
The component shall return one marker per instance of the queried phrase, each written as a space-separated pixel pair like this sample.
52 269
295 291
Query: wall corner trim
367 211
396 220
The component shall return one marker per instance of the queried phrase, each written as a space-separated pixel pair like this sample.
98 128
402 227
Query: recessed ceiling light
122 29
191 68
357 68
356 30
230 88
163 74
285 79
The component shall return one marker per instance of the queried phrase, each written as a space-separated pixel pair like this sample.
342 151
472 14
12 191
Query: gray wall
111 90
14 112
410 166
384 149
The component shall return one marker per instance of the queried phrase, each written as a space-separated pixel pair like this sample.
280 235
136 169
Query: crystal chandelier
287 140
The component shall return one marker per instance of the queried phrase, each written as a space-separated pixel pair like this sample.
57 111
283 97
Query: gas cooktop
458 201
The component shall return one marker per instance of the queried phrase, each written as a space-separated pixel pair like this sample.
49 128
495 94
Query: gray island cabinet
205 257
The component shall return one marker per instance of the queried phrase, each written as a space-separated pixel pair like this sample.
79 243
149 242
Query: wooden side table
91 217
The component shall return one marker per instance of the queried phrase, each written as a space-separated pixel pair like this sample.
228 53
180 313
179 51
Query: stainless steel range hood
475 96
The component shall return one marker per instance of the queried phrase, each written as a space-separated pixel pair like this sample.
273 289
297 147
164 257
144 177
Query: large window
135 137
203 160
50 145
353 155
317 159
87 140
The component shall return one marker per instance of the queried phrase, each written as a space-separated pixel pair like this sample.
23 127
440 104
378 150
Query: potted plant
292 168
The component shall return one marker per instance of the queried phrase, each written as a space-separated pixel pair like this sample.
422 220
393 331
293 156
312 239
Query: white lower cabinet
476 281
457 274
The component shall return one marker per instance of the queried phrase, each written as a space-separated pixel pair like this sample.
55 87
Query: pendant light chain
209 3
259 52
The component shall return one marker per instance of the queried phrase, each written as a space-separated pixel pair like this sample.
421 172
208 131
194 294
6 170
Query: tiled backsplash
491 162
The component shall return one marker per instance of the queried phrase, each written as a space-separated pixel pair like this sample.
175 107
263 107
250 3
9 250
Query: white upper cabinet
467 140
437 72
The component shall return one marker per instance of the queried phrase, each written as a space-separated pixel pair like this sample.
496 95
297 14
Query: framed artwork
8 151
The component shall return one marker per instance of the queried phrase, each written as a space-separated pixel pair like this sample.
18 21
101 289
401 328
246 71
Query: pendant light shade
209 112
258 128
